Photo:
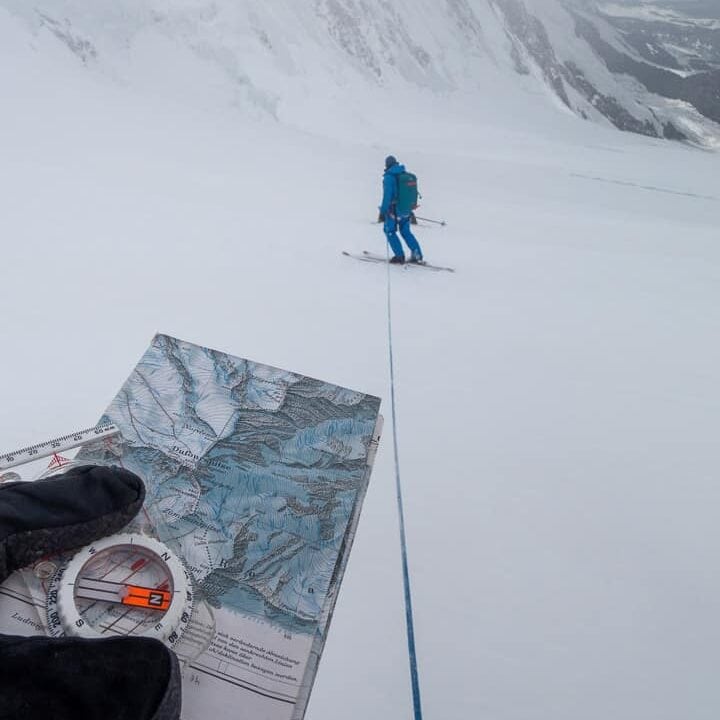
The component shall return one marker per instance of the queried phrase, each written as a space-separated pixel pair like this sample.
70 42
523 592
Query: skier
396 209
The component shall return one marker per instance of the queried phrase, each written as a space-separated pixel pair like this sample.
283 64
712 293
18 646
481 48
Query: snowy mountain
648 68
672 48
595 66
678 35
609 63
196 167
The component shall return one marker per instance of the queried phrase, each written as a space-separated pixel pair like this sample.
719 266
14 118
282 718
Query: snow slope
272 58
557 396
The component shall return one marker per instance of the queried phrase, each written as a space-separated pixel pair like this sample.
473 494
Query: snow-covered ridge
648 12
273 58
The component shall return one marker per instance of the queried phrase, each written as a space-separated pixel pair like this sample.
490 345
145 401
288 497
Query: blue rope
414 677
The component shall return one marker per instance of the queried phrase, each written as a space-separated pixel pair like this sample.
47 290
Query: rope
414 677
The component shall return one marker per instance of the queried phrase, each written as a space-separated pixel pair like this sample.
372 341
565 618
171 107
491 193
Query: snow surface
557 397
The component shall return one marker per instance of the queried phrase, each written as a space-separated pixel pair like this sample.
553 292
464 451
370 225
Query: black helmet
390 160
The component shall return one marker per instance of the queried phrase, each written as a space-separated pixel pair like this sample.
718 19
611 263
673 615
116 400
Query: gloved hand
126 678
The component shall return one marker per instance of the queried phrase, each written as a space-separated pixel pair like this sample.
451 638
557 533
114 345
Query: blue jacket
390 187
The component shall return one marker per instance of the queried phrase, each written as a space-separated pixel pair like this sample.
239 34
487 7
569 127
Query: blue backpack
407 193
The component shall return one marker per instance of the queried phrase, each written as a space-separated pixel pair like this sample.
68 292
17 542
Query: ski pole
437 222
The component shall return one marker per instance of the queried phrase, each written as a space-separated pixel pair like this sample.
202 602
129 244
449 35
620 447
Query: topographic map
257 475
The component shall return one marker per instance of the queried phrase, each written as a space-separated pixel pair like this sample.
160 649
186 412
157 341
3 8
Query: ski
370 257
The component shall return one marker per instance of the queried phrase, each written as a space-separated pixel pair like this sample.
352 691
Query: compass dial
122 585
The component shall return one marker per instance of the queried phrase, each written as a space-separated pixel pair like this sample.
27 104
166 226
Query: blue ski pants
391 228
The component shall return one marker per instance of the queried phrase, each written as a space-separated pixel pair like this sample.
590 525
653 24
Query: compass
126 584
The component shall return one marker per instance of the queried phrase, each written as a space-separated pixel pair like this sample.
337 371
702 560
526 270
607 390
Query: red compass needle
124 593
149 598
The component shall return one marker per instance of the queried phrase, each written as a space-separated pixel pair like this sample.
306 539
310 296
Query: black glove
127 678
